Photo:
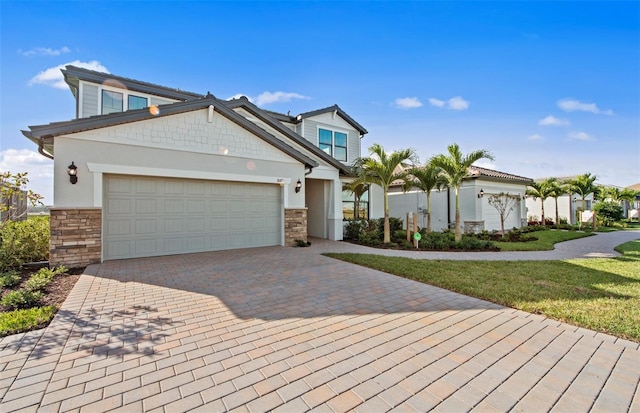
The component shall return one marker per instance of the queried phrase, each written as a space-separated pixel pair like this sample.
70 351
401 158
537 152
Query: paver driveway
287 329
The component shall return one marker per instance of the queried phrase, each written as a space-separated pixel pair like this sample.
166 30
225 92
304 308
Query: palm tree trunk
428 212
543 222
387 235
557 216
458 237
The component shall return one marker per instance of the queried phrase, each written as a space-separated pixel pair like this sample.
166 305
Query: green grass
18 321
599 294
545 240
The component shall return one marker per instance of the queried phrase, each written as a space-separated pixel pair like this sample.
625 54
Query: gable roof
268 118
44 135
339 111
73 74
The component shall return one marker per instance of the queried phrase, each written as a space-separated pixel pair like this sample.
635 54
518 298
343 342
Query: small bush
9 279
18 321
399 236
24 241
355 229
395 224
44 276
21 299
472 243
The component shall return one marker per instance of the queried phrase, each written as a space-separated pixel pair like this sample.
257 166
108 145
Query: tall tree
557 190
426 178
542 190
583 185
382 168
454 167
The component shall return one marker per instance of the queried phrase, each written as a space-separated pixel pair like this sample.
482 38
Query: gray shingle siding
90 98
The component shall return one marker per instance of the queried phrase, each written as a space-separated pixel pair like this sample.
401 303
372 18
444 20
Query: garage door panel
118 206
147 216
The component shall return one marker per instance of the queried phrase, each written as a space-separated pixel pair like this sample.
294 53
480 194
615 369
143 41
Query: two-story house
147 170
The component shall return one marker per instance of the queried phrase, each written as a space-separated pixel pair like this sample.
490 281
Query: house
475 211
146 170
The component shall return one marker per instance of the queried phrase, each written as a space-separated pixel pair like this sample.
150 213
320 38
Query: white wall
567 207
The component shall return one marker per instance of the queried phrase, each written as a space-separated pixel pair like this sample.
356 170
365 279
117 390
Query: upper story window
115 102
333 143
136 102
111 102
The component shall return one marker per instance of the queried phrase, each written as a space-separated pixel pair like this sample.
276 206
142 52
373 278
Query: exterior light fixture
298 186
481 193
72 170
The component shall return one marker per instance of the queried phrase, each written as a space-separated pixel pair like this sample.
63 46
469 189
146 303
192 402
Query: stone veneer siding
295 226
76 235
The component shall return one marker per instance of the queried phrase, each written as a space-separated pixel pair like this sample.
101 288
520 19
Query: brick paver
287 329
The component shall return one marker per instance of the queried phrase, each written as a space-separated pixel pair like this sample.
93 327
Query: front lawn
545 240
599 294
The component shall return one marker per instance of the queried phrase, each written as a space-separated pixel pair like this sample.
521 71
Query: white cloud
536 137
553 121
39 168
572 105
455 103
408 103
437 102
265 98
45 51
458 103
580 136
53 77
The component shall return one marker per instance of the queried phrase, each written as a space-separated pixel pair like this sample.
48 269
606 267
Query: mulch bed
57 291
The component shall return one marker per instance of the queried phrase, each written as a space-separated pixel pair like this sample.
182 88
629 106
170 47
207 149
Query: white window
111 102
333 143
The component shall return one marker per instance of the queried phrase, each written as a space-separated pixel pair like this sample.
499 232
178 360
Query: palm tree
542 190
583 185
426 178
557 190
454 168
382 168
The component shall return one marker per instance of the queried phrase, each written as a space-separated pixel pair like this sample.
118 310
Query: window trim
102 95
125 97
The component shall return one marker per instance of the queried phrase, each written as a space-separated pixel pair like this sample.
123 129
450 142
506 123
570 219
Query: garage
152 216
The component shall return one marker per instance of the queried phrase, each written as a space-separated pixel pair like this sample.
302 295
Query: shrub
9 279
395 224
24 241
44 276
355 229
21 299
17 321
399 235
473 243
608 212
437 241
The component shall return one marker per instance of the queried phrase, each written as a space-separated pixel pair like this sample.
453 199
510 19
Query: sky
549 88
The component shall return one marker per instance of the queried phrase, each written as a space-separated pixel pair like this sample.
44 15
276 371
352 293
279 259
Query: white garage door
148 216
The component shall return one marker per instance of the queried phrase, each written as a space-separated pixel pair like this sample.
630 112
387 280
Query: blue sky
550 88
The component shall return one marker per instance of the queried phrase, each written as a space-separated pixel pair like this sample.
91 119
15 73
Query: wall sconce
72 170
298 186
481 193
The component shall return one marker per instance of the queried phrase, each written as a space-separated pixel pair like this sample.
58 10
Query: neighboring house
475 212
569 206
162 171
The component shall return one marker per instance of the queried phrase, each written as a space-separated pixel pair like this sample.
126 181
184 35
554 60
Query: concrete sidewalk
287 329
